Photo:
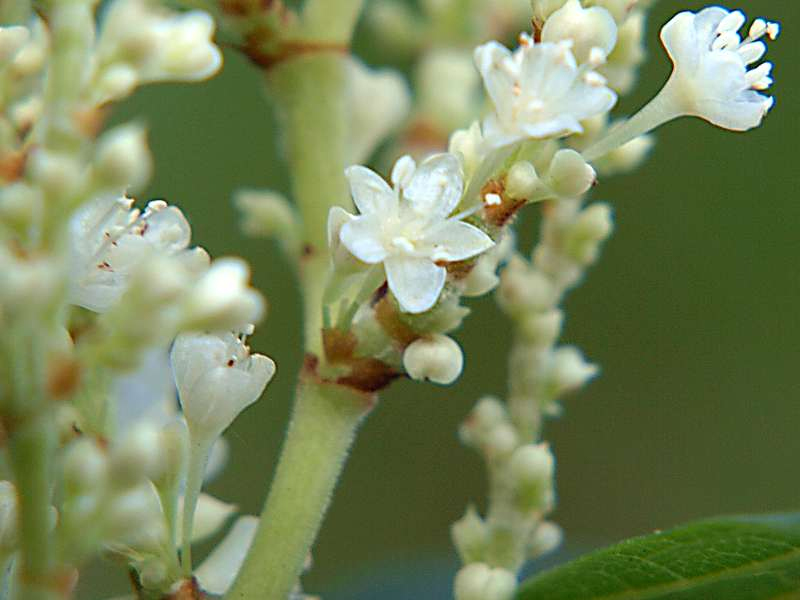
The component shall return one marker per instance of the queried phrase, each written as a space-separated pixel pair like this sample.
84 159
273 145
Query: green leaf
730 558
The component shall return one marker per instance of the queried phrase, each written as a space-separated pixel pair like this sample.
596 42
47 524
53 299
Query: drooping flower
538 91
217 378
409 229
108 240
711 79
712 76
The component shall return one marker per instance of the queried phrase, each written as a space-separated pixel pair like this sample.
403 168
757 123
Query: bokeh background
692 313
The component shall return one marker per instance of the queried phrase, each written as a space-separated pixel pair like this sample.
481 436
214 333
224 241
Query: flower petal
218 571
415 282
436 186
456 240
371 193
361 237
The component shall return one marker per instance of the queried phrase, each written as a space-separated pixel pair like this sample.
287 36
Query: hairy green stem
320 434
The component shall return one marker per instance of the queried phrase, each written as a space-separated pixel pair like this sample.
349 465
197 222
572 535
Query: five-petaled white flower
712 79
409 228
538 91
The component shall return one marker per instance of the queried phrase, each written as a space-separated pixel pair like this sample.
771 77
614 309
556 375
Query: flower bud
591 227
266 213
479 581
222 300
488 413
542 328
123 159
58 174
115 83
135 519
500 442
468 145
570 176
217 378
545 539
437 358
523 288
627 157
12 39
483 278
522 180
531 469
470 536
85 467
588 29
569 370
137 456
30 57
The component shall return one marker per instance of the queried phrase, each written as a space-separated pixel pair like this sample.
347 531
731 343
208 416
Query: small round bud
522 180
592 226
501 441
487 414
58 174
545 539
266 213
531 469
587 28
468 144
85 467
569 370
479 581
570 176
123 159
542 328
138 456
470 536
135 518
523 288
437 358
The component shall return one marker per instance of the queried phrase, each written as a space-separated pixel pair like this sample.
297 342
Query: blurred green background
692 314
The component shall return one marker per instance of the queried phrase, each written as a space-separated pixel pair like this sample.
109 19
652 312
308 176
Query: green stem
198 459
31 445
320 434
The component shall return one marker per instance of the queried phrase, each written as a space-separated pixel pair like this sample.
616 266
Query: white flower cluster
104 289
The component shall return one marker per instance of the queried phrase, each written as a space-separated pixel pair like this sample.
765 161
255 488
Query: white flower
108 241
538 91
590 30
712 78
478 581
409 228
217 378
379 103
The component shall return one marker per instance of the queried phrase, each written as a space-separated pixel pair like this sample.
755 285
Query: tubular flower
409 229
712 78
538 91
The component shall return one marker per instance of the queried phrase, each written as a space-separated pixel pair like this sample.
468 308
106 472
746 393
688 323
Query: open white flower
217 378
409 229
108 240
712 78
538 91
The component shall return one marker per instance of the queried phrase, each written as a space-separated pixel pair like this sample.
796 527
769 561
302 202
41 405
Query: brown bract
364 374
499 215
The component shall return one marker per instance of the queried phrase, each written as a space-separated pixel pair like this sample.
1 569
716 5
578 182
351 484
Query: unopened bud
501 441
627 157
542 328
437 358
522 180
592 226
222 299
523 288
531 469
570 176
115 83
479 581
137 456
587 28
58 174
470 536
569 370
85 467
468 144
485 416
123 159
545 539
266 213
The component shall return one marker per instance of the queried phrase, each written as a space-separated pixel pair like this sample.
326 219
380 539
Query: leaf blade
733 558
